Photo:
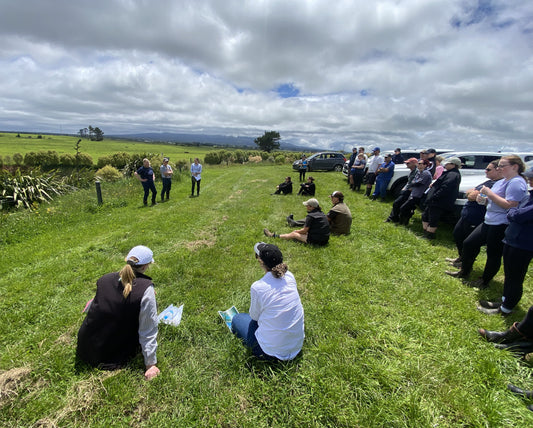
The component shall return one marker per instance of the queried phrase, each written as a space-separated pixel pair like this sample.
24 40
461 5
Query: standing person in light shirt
505 194
166 178
517 254
196 176
372 166
472 213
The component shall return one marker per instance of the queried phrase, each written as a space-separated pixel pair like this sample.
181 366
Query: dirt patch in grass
67 337
11 382
207 238
82 398
194 245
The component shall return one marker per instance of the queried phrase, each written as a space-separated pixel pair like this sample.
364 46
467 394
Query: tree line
93 134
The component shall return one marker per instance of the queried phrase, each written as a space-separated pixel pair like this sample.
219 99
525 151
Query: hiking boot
455 274
495 311
489 305
507 336
268 233
479 283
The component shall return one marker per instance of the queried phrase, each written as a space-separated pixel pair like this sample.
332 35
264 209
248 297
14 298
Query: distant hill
212 140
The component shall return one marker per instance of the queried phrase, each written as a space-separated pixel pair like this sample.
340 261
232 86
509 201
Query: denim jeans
244 327
148 187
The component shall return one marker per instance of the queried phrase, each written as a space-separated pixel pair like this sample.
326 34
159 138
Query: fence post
98 192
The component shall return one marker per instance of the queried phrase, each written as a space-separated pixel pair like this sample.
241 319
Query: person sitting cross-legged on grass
308 188
122 318
339 216
316 228
274 328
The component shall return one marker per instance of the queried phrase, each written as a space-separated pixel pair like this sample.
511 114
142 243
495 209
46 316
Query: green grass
10 144
390 341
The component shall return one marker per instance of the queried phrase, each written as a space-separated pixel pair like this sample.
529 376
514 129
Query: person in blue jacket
383 177
517 254
145 174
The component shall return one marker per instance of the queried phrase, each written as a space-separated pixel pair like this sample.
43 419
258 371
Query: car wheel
397 186
338 168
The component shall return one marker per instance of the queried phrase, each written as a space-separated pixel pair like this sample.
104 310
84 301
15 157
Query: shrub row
217 157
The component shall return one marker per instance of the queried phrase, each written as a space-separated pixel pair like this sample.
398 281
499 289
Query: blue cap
376 148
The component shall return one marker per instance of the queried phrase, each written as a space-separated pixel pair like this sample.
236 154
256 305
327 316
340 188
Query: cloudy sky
332 73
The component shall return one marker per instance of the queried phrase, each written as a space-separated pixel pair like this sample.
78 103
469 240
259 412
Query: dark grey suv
328 161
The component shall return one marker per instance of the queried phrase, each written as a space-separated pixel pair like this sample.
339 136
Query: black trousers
408 209
515 265
461 231
197 183
148 187
492 237
167 185
526 325
398 202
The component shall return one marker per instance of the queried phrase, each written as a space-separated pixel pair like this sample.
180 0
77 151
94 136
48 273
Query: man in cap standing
373 164
166 178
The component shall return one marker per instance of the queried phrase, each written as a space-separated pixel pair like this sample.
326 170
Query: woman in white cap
274 328
122 317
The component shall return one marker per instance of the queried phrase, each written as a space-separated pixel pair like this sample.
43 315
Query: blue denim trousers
244 327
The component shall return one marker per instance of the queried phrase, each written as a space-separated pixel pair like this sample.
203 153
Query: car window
485 160
468 162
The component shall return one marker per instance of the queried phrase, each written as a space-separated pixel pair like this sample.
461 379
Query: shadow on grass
266 369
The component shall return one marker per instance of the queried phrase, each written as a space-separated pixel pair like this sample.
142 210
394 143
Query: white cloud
413 72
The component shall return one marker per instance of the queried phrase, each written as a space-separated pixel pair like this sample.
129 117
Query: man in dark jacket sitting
285 187
316 228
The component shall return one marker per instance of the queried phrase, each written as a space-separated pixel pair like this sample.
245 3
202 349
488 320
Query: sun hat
311 203
143 255
455 161
269 254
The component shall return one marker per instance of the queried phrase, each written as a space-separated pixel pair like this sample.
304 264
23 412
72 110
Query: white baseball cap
143 255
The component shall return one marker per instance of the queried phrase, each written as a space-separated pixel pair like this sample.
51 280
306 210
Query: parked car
328 161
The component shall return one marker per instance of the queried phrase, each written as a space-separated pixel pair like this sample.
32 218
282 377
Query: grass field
390 340
10 144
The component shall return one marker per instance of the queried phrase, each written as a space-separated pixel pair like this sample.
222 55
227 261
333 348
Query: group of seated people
316 228
306 189
122 318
